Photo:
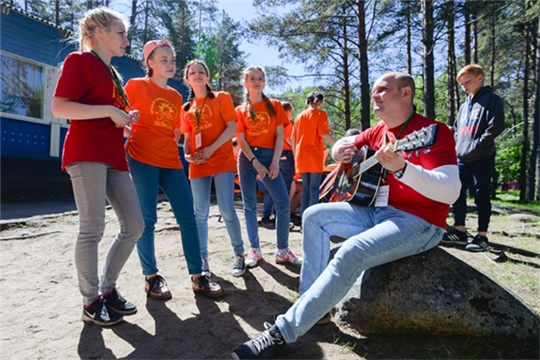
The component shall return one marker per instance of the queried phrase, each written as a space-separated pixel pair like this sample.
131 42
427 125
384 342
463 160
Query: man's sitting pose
407 218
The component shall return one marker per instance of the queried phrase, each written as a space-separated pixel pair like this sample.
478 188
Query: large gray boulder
434 293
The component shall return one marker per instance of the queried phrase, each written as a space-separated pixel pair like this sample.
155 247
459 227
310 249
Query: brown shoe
156 287
204 286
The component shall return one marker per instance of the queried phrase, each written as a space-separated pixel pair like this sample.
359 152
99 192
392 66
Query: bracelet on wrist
252 159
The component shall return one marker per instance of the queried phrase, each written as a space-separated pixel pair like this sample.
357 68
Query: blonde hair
101 17
471 69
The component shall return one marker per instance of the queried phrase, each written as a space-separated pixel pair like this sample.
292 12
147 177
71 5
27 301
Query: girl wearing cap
209 123
89 93
260 136
309 132
155 163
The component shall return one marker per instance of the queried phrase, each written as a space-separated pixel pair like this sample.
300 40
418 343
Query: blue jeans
276 187
310 190
286 167
224 184
93 183
375 236
268 202
173 182
479 171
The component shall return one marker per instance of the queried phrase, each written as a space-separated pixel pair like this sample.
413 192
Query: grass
511 198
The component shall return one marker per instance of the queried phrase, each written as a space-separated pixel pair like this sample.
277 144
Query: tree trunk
409 35
346 83
132 19
427 55
57 12
523 161
475 33
451 65
365 98
467 40
534 159
146 15
492 24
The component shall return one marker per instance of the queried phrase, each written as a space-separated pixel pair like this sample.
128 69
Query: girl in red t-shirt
89 93
209 124
309 132
155 163
260 136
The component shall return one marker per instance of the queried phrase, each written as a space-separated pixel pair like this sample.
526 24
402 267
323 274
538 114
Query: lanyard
198 114
385 171
114 78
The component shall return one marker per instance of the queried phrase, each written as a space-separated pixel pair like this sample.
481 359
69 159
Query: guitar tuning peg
409 155
417 152
427 150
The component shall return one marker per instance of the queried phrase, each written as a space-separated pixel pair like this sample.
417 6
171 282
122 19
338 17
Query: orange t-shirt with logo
152 141
309 127
287 133
214 116
261 131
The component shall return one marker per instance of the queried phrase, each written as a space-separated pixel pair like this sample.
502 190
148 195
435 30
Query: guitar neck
372 161
367 164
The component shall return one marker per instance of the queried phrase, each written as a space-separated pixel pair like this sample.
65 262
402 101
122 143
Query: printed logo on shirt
118 100
468 126
260 125
206 115
165 113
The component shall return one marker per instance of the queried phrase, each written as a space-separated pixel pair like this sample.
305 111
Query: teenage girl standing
260 136
209 125
89 93
309 132
155 163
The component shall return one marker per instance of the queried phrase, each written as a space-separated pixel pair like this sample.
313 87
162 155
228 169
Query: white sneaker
287 256
253 257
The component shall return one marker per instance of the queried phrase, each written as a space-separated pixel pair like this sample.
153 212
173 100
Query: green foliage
507 161
207 52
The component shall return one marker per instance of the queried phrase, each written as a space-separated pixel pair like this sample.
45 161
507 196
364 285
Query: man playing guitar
407 217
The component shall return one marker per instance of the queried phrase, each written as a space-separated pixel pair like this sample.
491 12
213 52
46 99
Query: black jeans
479 171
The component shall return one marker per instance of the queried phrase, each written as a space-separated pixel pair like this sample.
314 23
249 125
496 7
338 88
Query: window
22 87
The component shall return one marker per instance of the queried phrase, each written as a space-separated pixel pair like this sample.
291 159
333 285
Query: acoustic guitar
359 180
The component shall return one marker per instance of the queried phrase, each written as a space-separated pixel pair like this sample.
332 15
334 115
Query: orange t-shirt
152 141
309 127
260 132
216 114
287 133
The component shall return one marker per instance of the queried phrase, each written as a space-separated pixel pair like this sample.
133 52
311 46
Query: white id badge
198 140
381 199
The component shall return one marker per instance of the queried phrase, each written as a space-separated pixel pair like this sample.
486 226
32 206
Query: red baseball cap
153 45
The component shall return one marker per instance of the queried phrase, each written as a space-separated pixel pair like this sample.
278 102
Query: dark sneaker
296 219
267 223
239 266
479 243
156 287
270 338
203 285
455 238
100 314
117 302
325 319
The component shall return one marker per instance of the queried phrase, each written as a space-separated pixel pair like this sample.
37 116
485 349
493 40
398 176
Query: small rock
524 217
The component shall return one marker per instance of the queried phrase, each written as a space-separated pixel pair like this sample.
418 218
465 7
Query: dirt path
41 305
